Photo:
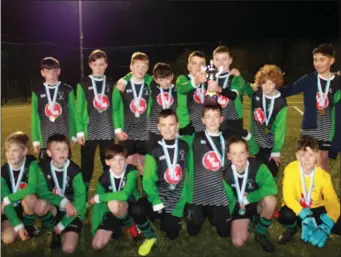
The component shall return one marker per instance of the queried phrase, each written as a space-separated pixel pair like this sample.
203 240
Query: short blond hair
19 138
139 56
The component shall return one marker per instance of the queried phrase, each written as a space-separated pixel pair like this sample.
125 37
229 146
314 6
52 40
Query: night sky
120 23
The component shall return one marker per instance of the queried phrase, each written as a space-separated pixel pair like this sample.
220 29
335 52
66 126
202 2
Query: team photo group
174 153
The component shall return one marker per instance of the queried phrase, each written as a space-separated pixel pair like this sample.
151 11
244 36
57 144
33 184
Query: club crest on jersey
42 95
211 161
250 185
165 96
60 95
101 102
142 107
162 157
53 115
182 155
223 101
196 96
259 115
175 178
320 105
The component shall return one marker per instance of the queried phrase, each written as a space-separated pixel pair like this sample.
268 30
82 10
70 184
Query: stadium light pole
80 20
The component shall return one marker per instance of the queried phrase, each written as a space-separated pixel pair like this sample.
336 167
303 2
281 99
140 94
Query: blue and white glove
319 235
308 223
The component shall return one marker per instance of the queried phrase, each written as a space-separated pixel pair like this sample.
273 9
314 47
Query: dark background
283 33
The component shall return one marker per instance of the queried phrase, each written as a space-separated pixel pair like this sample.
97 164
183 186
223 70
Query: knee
269 203
286 216
8 237
69 249
28 202
98 244
238 241
40 208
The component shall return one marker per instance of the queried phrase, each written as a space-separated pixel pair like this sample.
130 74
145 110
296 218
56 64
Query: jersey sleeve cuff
6 201
278 154
123 81
248 136
36 143
80 134
158 207
74 139
18 227
118 130
63 203
96 198
236 91
60 226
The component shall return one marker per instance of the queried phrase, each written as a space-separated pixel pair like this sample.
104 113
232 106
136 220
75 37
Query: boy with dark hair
62 195
115 202
94 113
18 190
321 91
308 197
53 108
132 104
165 175
250 183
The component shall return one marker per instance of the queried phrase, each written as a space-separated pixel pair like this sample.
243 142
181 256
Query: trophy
211 97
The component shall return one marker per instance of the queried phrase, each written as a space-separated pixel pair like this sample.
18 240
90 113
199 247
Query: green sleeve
72 108
184 85
190 171
248 89
337 97
149 180
44 193
98 210
230 197
9 210
79 200
118 110
237 84
80 109
279 130
266 185
125 193
31 185
35 120
128 76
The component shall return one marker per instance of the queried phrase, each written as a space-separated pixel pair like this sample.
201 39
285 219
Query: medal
15 186
266 130
200 91
307 195
98 97
240 191
112 181
171 165
323 95
214 147
267 115
51 103
225 77
137 99
166 103
322 111
60 191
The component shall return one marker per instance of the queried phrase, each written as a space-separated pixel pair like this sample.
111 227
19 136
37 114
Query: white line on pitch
298 109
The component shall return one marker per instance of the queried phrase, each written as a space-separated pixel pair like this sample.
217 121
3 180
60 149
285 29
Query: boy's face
268 87
139 68
164 82
51 76
194 65
307 158
168 127
212 120
98 67
222 60
58 152
322 62
117 164
15 154
238 155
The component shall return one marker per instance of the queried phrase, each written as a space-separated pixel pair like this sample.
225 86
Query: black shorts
324 145
18 209
112 223
251 210
75 226
135 146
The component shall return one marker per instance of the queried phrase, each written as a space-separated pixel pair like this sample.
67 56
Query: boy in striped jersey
165 175
95 115
53 108
207 196
321 91
269 116
308 197
164 96
132 104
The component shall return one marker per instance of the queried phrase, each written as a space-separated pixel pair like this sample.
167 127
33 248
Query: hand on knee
118 208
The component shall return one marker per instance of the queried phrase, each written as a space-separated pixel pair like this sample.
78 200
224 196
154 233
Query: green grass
16 116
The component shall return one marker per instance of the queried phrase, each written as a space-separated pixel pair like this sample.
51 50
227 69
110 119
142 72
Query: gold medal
322 111
266 130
